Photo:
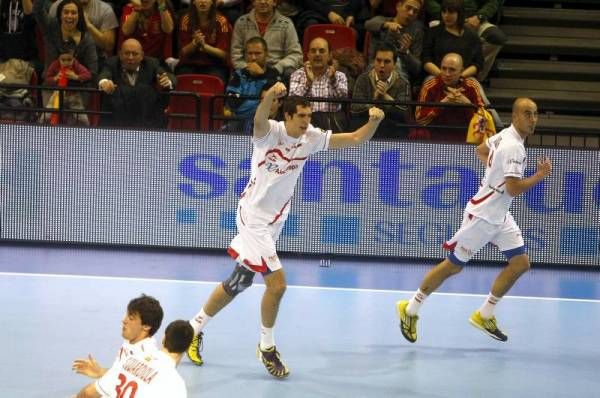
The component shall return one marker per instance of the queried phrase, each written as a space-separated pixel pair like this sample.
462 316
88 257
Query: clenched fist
279 90
376 114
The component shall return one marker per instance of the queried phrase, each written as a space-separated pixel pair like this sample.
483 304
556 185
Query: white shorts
254 245
475 233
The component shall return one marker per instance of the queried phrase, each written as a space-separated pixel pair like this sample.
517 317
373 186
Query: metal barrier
214 118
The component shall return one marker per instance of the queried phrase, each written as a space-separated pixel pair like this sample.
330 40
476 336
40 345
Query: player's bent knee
521 263
239 280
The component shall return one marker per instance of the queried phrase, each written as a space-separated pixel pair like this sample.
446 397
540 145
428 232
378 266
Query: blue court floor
337 328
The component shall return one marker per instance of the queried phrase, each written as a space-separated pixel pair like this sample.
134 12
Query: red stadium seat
204 85
338 36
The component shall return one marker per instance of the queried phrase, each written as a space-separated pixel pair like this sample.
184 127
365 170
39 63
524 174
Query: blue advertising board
396 199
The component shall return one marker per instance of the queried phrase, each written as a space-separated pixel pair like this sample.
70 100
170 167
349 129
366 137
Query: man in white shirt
153 374
487 220
279 154
142 319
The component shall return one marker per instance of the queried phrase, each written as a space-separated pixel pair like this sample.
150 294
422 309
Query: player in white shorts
142 319
279 154
487 220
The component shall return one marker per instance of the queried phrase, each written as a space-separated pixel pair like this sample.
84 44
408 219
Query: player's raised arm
261 117
361 135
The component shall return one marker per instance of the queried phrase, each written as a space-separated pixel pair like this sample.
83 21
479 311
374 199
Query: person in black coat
134 88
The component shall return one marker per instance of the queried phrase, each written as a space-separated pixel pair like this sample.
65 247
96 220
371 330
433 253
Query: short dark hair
178 336
149 310
457 6
257 40
67 47
386 47
291 104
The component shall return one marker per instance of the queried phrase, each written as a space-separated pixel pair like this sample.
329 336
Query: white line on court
349 289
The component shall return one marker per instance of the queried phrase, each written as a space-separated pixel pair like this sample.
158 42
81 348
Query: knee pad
239 280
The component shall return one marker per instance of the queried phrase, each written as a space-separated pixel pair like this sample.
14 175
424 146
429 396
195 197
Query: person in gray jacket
405 32
285 52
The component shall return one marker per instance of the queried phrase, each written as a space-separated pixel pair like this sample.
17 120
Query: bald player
487 220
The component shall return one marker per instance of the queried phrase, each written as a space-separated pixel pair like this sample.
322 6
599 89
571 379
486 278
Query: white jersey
507 158
144 347
143 375
277 161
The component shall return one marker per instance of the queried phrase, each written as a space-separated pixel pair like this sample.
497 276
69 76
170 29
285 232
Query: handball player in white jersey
279 154
152 374
487 220
142 319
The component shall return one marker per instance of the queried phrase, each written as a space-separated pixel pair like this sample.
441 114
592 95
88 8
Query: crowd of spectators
134 50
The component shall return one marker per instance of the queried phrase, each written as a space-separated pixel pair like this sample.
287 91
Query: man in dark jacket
249 81
135 88
383 83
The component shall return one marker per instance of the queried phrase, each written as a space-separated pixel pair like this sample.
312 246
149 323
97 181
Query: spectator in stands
275 113
129 81
405 32
151 23
449 87
249 81
285 53
384 8
232 9
67 71
294 10
477 15
101 23
452 37
319 78
69 24
350 13
18 54
203 36
383 83
351 63
17 32
16 71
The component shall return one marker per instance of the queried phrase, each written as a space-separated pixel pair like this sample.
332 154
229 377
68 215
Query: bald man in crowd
135 88
448 87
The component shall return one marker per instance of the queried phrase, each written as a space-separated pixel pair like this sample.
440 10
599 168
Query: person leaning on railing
383 83
451 88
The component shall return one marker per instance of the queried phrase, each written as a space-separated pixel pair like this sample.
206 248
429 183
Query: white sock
200 321
488 307
267 339
415 302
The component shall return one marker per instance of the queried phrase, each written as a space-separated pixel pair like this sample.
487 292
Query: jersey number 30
126 389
